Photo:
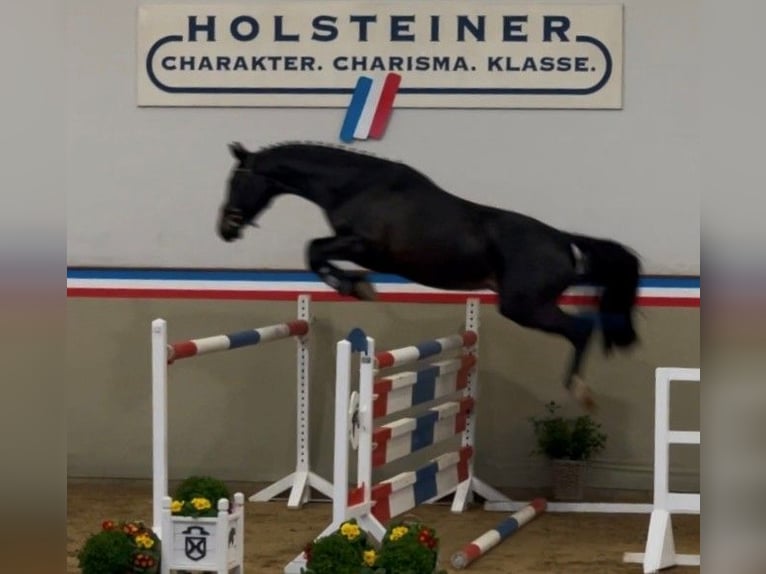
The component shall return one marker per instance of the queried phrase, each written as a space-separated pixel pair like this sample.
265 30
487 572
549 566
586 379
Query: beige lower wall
233 414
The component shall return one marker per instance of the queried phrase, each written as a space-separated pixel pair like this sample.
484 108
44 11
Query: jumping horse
390 218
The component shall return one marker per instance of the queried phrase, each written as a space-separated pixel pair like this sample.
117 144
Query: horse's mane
323 149
328 152
314 144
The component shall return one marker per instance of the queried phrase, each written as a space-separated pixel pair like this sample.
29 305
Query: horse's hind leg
349 248
548 317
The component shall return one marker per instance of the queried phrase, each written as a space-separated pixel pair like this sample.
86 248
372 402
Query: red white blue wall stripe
244 285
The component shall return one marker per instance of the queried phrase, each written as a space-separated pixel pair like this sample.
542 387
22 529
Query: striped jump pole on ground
491 538
205 345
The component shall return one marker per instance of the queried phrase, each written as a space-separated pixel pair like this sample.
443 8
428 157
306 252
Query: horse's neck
315 182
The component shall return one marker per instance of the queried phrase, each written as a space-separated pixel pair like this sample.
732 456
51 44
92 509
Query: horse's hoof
583 395
365 291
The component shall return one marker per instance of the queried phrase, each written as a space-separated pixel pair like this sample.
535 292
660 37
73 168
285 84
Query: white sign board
448 54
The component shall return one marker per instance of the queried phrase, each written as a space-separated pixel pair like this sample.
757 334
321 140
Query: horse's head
248 194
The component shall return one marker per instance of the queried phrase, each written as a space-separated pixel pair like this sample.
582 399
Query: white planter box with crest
214 544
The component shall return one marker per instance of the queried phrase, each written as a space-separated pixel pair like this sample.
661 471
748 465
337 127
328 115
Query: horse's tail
617 269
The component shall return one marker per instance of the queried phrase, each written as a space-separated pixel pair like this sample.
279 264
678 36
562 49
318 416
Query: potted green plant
569 443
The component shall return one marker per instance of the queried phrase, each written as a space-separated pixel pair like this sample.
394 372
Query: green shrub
202 486
334 554
412 553
198 496
107 552
121 548
407 548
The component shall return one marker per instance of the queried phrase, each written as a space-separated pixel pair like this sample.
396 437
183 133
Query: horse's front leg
548 317
345 247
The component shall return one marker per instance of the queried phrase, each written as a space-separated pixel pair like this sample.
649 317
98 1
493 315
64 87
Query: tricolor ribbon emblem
370 108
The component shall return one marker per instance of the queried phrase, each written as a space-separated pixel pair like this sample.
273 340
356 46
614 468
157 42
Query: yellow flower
350 531
144 540
176 506
398 532
369 557
201 503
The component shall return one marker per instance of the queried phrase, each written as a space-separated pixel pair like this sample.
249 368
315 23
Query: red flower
107 525
426 538
143 561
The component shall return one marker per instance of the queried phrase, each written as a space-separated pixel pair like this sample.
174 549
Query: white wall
145 184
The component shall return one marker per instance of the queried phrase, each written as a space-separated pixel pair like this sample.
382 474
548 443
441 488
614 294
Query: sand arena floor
551 544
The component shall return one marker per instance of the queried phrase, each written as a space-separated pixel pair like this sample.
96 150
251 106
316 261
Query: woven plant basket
568 479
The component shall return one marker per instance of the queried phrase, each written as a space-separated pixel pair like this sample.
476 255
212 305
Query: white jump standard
660 550
450 383
302 479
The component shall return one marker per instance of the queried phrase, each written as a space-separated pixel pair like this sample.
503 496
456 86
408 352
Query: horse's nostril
224 230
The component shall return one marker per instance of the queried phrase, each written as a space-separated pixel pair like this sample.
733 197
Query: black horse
390 218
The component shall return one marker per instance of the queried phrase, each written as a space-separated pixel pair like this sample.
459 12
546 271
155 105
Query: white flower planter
214 544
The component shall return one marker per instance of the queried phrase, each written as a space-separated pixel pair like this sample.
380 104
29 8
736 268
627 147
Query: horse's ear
238 151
